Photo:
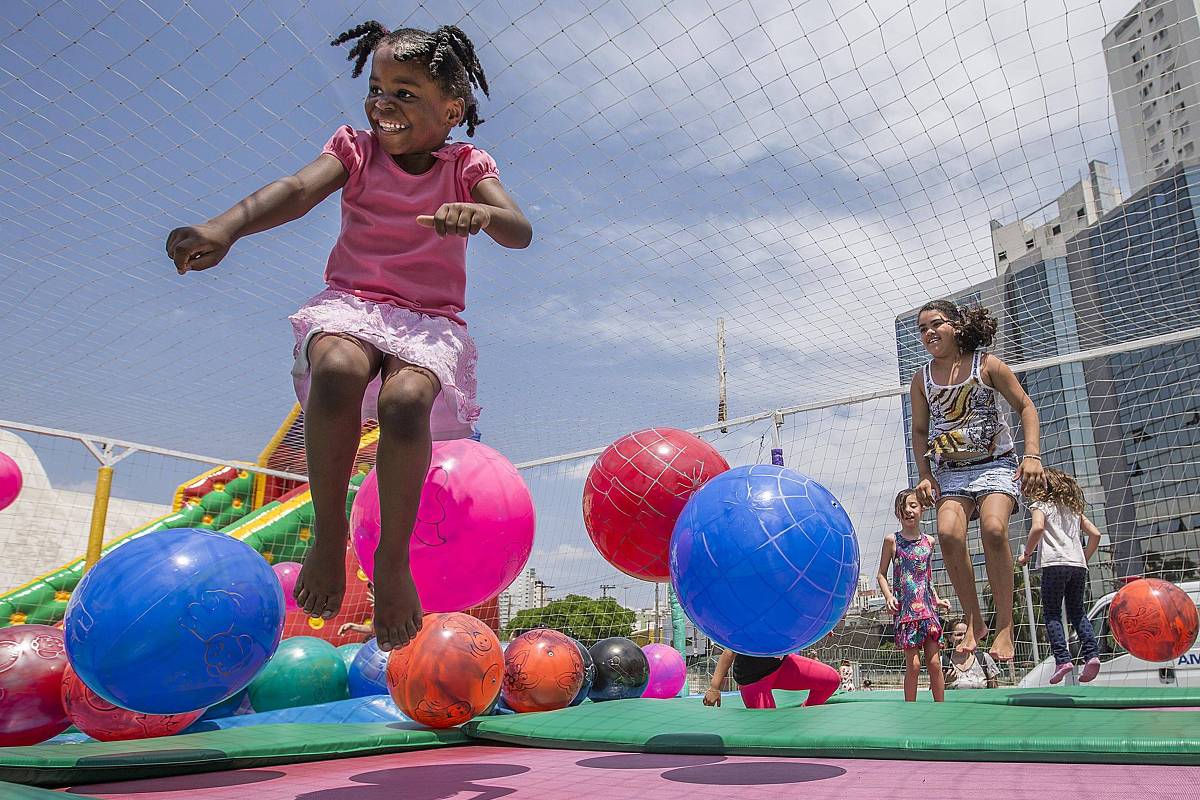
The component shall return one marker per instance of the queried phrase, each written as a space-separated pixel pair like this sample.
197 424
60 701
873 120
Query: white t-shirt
1060 544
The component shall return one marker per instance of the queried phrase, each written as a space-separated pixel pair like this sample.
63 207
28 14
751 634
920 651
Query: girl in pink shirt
385 338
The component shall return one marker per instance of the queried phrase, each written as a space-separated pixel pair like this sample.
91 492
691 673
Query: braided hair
447 51
974 326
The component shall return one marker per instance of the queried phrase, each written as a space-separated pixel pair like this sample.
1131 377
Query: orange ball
1153 619
449 673
543 670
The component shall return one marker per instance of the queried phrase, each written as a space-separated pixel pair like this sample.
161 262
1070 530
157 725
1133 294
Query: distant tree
1174 567
587 619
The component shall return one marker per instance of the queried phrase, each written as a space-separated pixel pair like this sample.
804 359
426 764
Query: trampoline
1031 742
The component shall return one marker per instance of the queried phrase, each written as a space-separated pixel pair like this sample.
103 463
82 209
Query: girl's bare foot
1002 645
968 643
398 611
322 580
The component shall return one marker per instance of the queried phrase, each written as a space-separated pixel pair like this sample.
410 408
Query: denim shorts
975 481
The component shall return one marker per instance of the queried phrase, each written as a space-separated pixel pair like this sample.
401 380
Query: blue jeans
1066 584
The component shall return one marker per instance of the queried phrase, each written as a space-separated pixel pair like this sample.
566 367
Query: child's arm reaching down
1093 537
198 247
712 697
1036 530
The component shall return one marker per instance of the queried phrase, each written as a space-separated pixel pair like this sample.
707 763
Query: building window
1029 244
1188 149
1080 213
1056 230
1002 256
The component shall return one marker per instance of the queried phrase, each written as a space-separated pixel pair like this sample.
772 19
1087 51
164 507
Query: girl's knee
405 401
340 370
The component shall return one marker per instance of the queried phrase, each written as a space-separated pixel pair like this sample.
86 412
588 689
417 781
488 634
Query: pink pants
796 673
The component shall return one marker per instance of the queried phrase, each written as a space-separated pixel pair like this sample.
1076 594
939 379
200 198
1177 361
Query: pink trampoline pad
489 772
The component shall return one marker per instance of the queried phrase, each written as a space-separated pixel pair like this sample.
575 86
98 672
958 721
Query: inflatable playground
181 665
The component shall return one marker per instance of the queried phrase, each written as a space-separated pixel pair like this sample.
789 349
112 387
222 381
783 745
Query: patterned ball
635 492
764 560
33 659
174 621
105 722
449 673
543 671
1153 619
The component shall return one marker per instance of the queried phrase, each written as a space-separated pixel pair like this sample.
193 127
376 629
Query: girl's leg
758 694
933 665
994 511
798 673
1076 585
953 514
912 671
1054 584
341 367
402 461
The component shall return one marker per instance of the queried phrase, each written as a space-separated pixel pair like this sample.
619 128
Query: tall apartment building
1153 59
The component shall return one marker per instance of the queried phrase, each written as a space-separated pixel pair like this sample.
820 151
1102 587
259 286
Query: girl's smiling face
937 334
406 107
910 511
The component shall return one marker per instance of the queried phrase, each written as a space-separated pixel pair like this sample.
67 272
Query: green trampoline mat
958 731
1047 697
212 751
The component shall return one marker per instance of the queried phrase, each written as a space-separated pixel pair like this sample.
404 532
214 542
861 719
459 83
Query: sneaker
1090 670
1063 670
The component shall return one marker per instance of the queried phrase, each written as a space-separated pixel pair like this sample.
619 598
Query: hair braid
369 35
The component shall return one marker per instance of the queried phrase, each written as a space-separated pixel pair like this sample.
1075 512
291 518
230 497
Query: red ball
449 673
636 491
106 722
1153 619
32 661
543 670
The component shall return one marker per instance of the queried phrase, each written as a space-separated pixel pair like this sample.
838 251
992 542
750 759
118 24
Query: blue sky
805 171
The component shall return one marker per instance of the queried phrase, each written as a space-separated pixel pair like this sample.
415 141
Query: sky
804 171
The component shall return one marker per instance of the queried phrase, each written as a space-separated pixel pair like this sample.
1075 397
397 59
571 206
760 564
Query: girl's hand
458 219
943 604
1022 559
198 247
928 493
1029 474
712 697
893 605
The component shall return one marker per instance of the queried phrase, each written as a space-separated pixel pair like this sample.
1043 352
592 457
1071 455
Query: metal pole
1031 617
722 406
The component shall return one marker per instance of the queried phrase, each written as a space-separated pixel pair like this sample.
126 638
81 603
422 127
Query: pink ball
10 481
667 671
33 659
288 572
474 528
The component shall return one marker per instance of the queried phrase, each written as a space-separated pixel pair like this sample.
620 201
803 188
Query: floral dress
912 584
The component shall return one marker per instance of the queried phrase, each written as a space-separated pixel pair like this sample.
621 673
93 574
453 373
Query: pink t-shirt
382 254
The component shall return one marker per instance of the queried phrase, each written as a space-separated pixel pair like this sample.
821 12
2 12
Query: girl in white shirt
1057 509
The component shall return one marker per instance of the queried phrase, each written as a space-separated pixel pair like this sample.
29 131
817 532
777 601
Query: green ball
304 671
348 652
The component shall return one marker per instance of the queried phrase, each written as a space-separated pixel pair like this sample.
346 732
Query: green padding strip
926 730
212 751
14 791
1051 697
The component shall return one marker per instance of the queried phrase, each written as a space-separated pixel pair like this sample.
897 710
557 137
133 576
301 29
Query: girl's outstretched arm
493 211
1002 379
1036 530
1093 537
198 247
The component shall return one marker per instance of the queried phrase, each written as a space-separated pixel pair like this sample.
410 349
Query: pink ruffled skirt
438 344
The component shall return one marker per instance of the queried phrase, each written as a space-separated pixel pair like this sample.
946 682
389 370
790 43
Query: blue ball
764 560
174 621
368 671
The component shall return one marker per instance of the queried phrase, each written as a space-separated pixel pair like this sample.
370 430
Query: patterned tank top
968 420
912 578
